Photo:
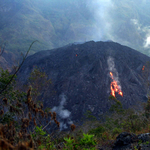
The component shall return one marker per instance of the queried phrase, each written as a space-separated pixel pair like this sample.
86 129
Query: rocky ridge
81 79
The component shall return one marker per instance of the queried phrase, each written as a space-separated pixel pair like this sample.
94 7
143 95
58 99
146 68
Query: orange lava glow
143 68
114 87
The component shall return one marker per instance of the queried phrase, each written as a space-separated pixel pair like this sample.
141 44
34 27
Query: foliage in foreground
21 125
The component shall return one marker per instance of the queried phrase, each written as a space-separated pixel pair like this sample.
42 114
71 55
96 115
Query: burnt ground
81 80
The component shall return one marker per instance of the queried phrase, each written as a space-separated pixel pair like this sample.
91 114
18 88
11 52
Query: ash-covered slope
81 77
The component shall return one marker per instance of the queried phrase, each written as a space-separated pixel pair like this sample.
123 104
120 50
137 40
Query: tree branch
17 68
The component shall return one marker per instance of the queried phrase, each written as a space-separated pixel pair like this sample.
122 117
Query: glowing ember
143 68
115 87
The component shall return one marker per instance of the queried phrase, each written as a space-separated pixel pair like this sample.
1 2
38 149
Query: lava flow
143 68
115 87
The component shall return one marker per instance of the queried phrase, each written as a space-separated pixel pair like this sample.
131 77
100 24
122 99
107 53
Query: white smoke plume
147 42
111 67
103 23
143 29
63 113
137 24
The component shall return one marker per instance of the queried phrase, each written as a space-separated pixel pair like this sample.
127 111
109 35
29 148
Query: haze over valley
57 23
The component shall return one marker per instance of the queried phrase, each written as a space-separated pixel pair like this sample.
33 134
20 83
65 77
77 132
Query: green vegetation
55 26
25 124
33 133
39 82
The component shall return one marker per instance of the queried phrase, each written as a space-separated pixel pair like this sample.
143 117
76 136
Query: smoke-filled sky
121 21
109 19
98 11
101 13
56 23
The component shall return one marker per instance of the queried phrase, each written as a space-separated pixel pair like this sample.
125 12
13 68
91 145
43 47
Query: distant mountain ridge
54 26
8 60
81 79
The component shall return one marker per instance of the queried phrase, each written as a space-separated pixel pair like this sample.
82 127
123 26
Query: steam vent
85 75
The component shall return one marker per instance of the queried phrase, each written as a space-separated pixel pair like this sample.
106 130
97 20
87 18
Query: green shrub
116 131
69 144
117 107
87 140
97 131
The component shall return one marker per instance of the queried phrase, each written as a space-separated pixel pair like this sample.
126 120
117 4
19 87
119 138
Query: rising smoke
143 30
102 16
107 13
64 114
111 67
64 21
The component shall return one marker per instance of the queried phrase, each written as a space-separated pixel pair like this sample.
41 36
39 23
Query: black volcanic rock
80 73
124 140
127 140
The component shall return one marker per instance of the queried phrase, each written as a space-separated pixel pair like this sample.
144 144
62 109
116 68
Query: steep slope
53 25
81 77
8 60
22 24
25 21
